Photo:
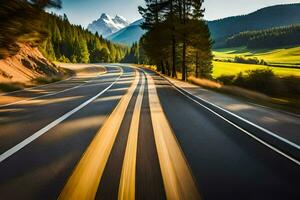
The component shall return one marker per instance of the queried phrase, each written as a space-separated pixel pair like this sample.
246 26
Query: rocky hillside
27 65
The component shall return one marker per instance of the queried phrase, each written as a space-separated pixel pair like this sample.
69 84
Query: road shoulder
283 124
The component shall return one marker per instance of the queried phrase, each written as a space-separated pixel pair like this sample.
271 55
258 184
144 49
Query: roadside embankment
82 69
28 68
283 99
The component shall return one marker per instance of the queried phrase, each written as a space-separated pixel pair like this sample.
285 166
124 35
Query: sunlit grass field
281 57
284 56
226 68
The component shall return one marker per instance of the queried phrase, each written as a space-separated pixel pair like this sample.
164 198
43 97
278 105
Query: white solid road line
233 114
247 121
240 128
51 94
42 131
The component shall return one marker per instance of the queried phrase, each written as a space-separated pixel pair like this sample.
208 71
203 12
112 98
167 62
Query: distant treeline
255 61
132 55
27 22
266 18
268 38
72 43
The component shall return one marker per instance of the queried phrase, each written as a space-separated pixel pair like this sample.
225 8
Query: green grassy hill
284 58
226 68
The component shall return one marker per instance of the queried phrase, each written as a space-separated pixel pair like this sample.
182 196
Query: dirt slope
26 65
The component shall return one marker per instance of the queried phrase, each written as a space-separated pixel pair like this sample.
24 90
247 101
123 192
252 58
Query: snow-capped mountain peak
121 20
106 25
105 16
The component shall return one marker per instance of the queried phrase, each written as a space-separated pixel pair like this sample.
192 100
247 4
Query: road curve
130 134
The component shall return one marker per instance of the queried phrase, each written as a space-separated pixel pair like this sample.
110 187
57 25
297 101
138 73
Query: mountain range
129 34
265 18
221 29
106 25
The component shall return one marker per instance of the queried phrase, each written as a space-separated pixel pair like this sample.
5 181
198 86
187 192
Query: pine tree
173 26
83 53
104 52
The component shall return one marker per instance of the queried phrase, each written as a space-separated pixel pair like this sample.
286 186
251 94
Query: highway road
129 133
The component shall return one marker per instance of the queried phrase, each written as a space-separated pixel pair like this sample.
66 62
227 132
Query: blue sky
84 11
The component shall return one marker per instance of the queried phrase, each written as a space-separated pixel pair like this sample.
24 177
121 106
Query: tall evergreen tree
21 21
173 26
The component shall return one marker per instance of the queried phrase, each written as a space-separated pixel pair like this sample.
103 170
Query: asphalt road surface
130 134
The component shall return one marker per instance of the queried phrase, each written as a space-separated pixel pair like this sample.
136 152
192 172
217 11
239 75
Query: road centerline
178 180
128 174
84 181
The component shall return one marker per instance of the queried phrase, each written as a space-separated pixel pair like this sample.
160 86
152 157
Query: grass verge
47 80
14 86
288 104
11 87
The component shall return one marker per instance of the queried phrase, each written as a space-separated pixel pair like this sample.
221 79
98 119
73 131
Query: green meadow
284 57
